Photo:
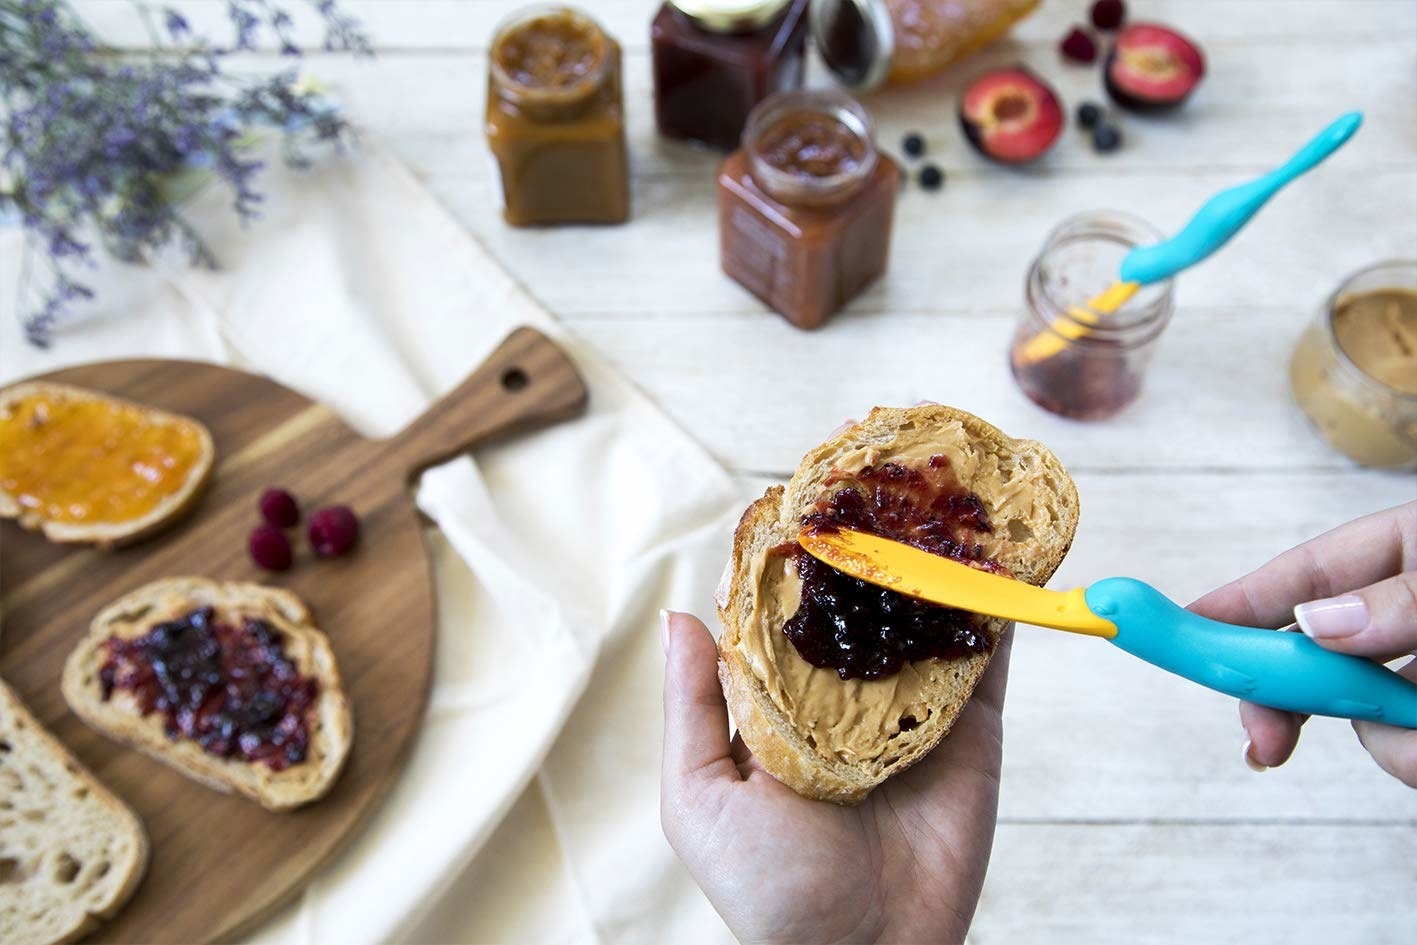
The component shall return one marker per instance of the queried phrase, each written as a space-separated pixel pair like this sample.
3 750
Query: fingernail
1332 617
664 629
1250 761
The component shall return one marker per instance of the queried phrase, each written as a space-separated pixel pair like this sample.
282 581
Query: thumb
1378 621
697 752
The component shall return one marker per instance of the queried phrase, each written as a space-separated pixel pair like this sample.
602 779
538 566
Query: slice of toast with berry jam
835 684
231 684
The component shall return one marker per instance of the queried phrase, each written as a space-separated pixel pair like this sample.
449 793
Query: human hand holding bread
901 853
906 864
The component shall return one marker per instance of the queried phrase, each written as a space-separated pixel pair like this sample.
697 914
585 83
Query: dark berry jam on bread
232 689
867 632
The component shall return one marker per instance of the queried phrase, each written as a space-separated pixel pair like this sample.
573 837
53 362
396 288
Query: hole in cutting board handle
515 379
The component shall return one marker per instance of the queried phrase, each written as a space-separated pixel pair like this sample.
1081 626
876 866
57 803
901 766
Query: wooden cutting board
221 863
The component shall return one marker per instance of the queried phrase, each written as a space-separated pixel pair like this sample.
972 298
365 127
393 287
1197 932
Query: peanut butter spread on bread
854 720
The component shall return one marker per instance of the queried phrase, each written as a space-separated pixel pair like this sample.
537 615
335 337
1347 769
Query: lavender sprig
91 137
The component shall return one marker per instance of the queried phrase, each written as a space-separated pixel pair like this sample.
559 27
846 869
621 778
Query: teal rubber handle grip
1282 670
1223 215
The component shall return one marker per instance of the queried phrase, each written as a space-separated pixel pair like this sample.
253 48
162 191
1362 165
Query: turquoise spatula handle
1282 670
1223 215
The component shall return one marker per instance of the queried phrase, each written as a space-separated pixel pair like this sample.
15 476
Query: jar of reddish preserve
1087 368
555 119
806 205
716 59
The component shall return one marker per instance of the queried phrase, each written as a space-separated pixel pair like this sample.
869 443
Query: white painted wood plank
468 24
1142 884
758 393
964 250
1243 117
1093 734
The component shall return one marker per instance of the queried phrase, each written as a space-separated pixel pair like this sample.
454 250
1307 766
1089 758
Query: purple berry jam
868 632
231 689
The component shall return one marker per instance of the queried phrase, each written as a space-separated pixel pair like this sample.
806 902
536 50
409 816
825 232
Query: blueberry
1089 114
914 144
931 177
1106 138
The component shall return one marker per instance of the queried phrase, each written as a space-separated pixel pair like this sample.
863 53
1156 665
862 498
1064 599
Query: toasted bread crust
114 535
332 729
33 746
776 739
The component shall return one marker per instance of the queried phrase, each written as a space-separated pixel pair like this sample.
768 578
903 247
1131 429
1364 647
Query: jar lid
730 16
855 39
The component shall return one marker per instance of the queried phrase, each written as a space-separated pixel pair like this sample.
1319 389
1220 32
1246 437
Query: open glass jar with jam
1067 359
1355 370
806 205
716 59
555 119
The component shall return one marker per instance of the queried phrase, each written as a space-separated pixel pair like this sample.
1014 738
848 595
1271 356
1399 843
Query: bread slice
120 718
71 853
833 739
107 534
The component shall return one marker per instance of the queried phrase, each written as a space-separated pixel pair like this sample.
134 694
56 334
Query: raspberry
333 530
1078 46
279 508
269 548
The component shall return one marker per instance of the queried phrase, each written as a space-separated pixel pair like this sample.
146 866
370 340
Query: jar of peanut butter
555 119
806 205
1355 370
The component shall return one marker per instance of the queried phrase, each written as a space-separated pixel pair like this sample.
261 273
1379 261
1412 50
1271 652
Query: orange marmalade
92 461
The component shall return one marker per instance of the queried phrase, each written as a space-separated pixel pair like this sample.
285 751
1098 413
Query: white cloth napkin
555 552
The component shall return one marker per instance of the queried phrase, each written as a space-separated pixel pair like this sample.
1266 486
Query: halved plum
1011 115
1152 68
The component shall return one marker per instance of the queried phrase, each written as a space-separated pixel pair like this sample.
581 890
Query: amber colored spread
854 719
90 461
553 51
808 144
555 121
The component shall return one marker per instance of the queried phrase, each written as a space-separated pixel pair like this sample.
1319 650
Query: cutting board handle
527 381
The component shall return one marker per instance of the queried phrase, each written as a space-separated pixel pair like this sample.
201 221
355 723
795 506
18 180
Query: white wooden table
1127 813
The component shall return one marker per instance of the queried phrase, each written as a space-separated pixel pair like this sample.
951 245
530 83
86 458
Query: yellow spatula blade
1048 343
938 580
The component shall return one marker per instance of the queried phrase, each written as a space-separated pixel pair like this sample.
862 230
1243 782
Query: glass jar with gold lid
716 59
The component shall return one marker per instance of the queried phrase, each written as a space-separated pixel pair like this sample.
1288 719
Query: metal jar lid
855 39
731 16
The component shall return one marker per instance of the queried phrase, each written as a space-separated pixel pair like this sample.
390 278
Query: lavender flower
88 138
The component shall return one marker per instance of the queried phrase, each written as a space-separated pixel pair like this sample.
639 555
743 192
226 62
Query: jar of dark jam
1087 368
716 59
555 119
806 205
